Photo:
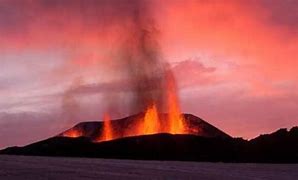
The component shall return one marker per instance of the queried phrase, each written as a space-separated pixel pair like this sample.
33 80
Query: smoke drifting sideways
138 63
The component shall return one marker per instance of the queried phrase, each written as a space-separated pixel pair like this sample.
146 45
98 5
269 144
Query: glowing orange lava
153 121
176 122
72 133
107 130
150 124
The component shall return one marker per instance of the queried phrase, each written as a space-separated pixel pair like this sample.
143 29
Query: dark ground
36 168
278 147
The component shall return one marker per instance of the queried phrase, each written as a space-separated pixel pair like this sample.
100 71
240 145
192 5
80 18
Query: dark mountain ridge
278 147
195 126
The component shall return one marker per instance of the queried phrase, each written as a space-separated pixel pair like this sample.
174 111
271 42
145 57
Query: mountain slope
210 144
157 146
278 147
91 130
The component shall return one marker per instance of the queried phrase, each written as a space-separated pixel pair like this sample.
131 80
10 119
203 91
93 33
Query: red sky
235 62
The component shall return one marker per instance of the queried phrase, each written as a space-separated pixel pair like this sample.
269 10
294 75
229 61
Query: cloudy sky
235 62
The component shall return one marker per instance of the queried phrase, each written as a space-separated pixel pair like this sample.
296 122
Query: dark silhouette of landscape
211 145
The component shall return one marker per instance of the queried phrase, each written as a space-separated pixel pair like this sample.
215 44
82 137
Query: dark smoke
138 61
143 62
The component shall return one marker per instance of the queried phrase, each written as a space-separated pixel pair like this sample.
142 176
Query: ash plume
138 63
142 61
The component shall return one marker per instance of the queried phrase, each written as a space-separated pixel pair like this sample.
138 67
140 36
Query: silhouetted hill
195 125
158 146
278 147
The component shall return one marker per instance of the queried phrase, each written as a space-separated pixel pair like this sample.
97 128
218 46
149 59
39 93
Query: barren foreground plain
40 168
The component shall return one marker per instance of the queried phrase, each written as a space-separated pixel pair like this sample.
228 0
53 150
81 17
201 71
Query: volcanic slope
195 126
210 145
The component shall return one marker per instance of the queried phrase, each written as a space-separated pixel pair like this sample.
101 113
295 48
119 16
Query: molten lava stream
107 130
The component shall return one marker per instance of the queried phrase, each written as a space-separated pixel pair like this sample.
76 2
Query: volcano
204 142
82 141
194 125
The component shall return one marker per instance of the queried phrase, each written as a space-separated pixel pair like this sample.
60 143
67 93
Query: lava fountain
107 130
151 81
151 122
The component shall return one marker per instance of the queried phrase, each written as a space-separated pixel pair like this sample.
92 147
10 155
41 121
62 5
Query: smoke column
142 60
